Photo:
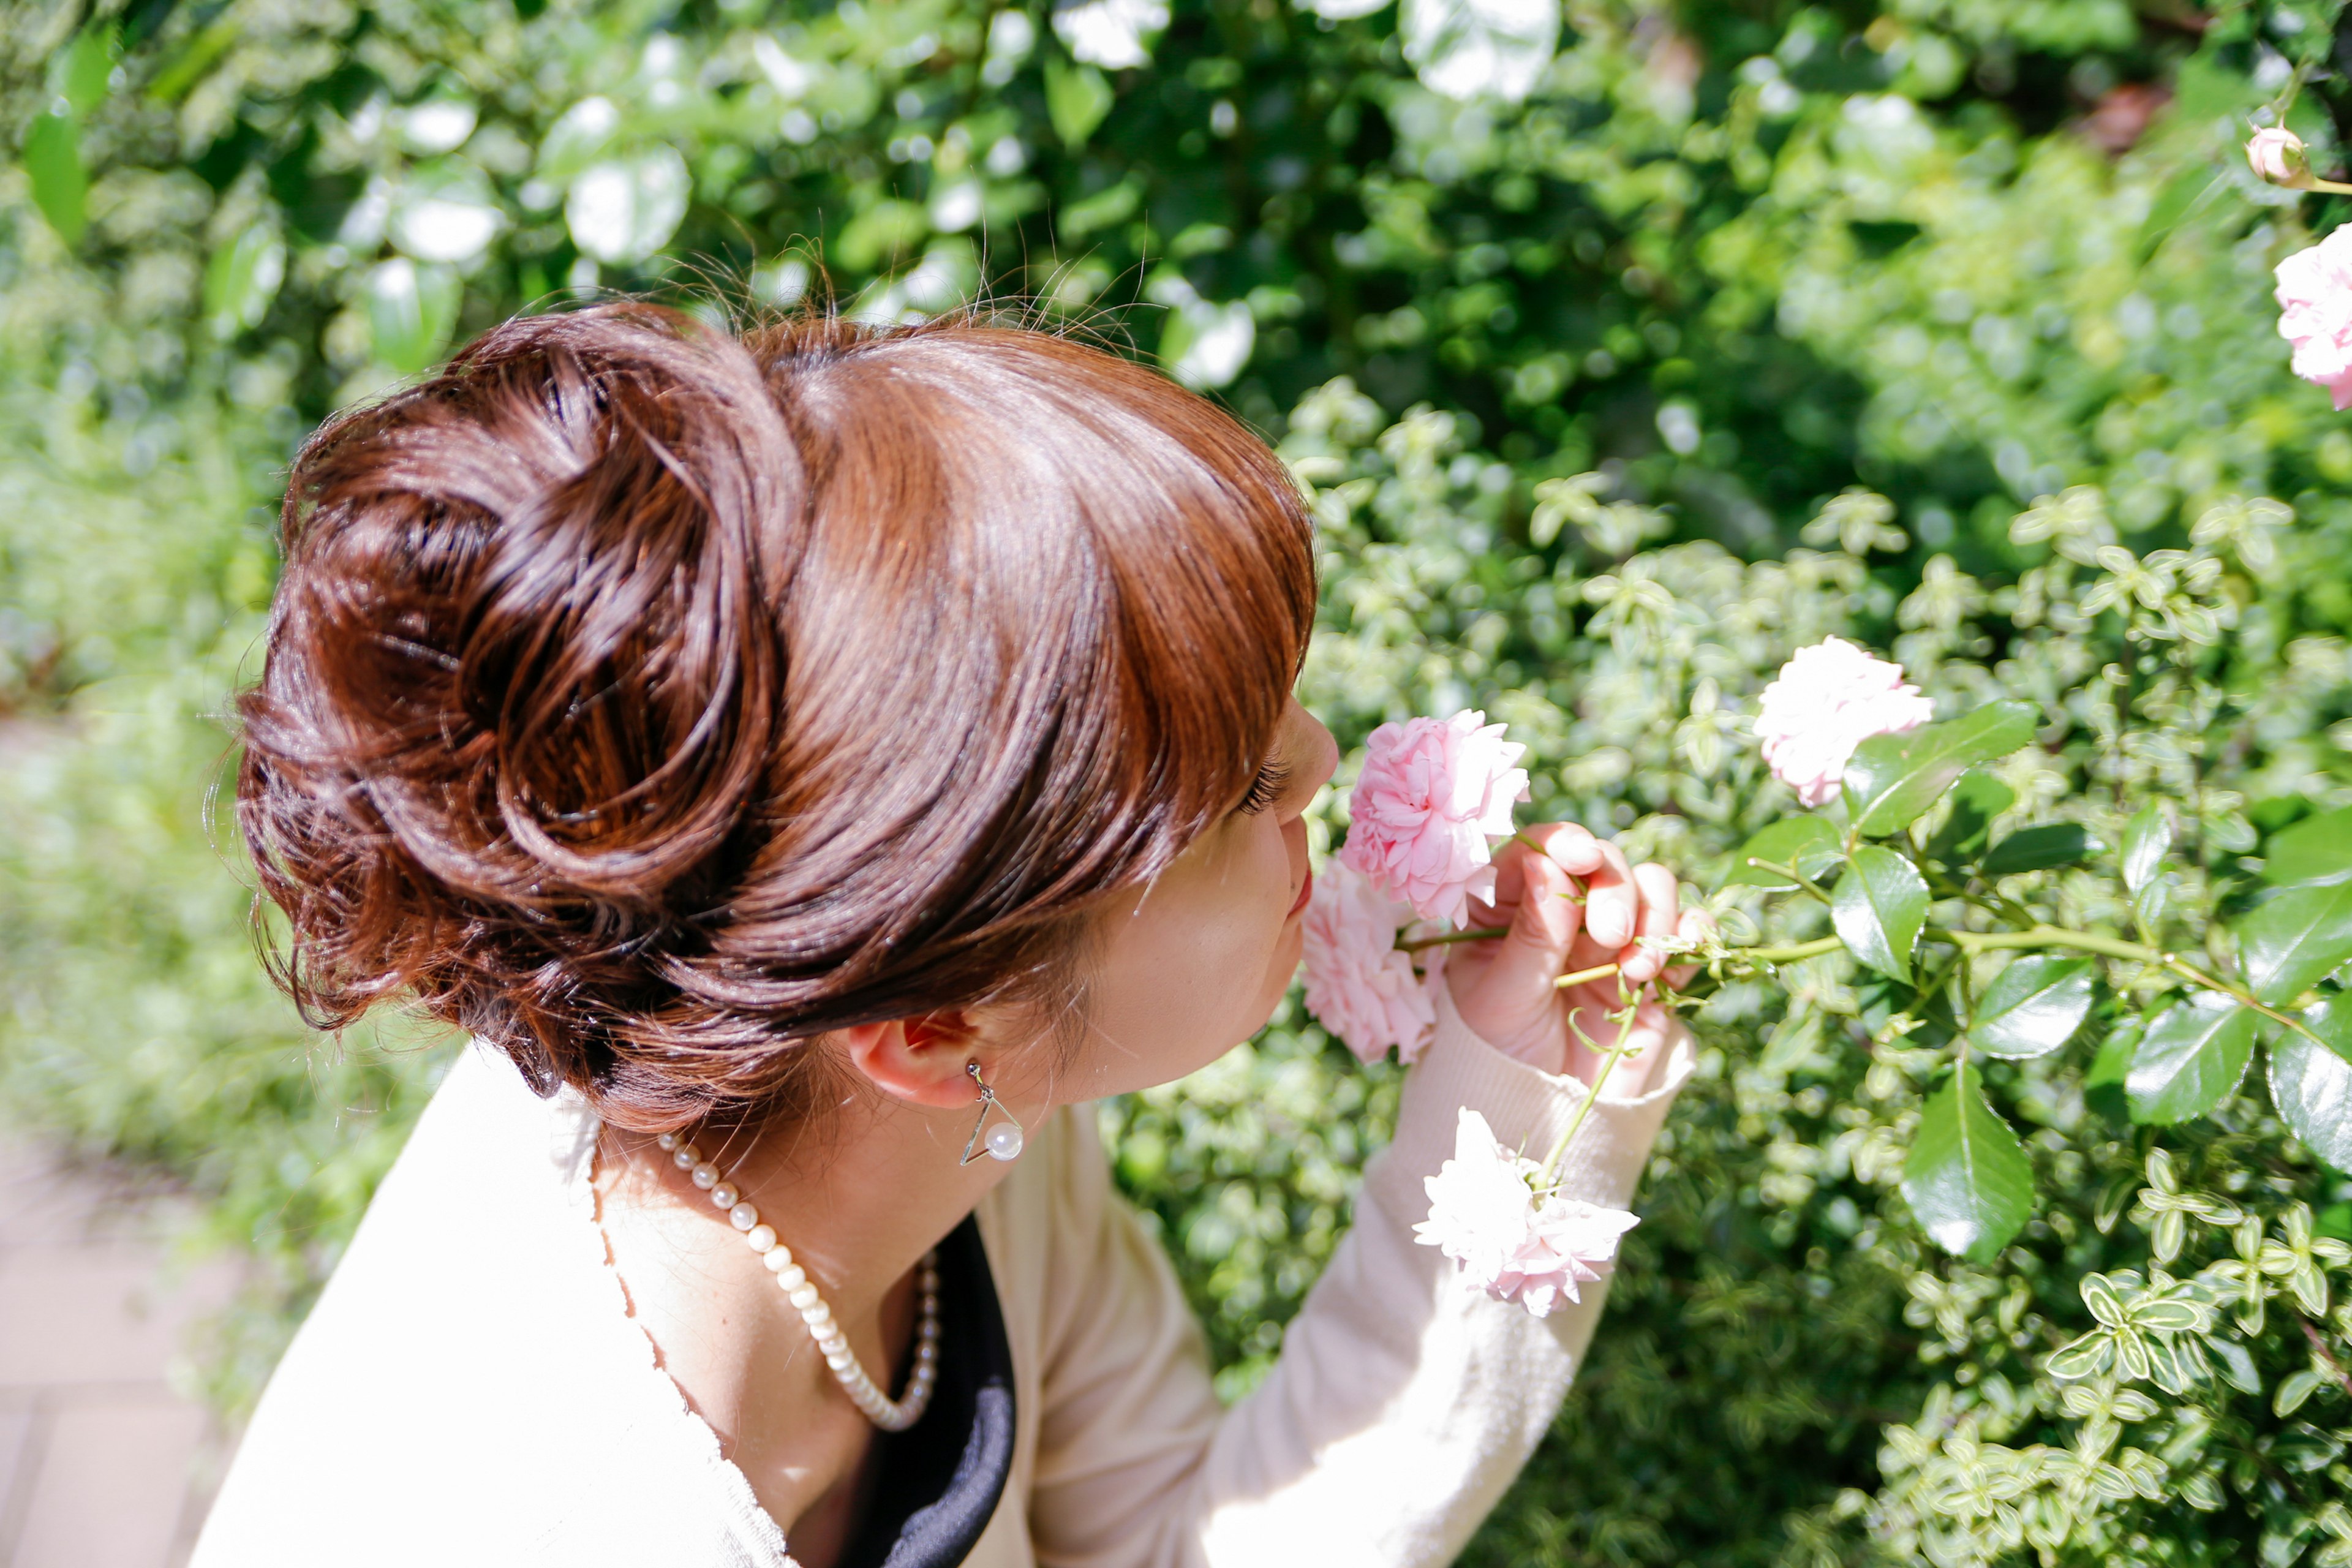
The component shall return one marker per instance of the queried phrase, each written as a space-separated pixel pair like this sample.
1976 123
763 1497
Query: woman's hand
1503 989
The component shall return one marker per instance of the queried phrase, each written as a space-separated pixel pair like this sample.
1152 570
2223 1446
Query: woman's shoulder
469 1385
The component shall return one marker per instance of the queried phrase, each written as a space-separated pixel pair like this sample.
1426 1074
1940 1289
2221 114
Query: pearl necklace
793 1280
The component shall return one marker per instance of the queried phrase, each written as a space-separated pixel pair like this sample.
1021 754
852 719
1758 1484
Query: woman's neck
859 1199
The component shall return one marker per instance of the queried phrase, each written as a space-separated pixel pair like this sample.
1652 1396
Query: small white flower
1509 1240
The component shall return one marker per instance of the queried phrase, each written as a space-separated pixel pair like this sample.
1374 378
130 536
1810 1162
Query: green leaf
2040 848
2289 943
2034 1007
410 313
242 279
1966 1178
85 70
53 163
2317 849
1878 907
1793 1042
1807 844
2312 1084
2189 1061
1977 799
1893 779
1076 98
2148 838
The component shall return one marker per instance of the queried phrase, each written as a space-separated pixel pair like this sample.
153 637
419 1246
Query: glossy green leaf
2034 1007
1807 844
53 163
2148 838
1967 1177
1893 779
2190 1059
2317 849
1878 907
242 279
2289 943
2311 1084
1977 799
1076 98
2051 845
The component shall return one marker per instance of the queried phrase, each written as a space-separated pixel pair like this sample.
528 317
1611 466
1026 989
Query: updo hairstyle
646 699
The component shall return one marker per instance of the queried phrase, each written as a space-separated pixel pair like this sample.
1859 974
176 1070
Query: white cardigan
470 1389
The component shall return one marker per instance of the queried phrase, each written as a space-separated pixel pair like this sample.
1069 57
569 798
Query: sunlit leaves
2146 840
1977 798
242 279
2145 1333
1878 907
1967 1179
2034 1007
2190 1058
52 160
2298 937
623 209
2317 849
2311 1083
410 313
1892 780
1076 98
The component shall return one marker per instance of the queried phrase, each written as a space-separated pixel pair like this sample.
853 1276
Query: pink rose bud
2314 293
1508 1239
1432 795
2277 154
1358 983
1831 697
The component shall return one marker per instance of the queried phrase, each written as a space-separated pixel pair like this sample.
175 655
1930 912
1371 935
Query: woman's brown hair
647 700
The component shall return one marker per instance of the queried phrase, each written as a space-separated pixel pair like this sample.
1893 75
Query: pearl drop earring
1004 1140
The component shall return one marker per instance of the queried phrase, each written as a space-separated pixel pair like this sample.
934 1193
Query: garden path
103 1463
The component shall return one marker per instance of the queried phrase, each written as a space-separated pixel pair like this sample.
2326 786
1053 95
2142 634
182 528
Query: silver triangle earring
1003 1141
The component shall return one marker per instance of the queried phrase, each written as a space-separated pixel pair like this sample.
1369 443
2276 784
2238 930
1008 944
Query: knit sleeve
1403 1403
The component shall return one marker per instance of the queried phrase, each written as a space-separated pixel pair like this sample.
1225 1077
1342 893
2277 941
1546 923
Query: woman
812 766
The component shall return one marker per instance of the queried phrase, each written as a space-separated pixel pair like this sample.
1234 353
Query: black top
938 1482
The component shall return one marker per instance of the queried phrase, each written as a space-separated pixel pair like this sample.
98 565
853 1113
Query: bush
1624 362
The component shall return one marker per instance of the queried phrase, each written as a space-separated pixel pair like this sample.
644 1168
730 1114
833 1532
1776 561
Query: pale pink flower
1570 1243
2277 154
1433 793
1358 983
1831 697
1505 1238
2314 293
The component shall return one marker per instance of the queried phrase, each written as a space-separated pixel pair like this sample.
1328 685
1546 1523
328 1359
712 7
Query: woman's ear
918 1060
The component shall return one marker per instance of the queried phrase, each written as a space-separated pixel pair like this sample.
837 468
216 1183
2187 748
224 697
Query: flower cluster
1510 1235
1831 697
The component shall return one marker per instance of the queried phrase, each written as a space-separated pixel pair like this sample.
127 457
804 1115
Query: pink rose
2277 155
1433 793
2314 292
1570 1243
1831 697
1507 1239
1358 983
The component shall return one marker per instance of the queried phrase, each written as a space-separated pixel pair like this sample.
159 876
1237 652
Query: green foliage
1623 364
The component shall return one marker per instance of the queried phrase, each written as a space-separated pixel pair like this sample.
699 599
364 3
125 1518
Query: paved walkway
102 1463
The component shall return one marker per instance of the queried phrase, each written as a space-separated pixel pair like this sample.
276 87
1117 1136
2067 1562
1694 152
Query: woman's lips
1305 889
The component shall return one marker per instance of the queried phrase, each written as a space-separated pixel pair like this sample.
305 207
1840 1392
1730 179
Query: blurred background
1628 345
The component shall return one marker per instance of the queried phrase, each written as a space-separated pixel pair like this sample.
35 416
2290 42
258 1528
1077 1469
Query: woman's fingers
1612 901
1660 910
